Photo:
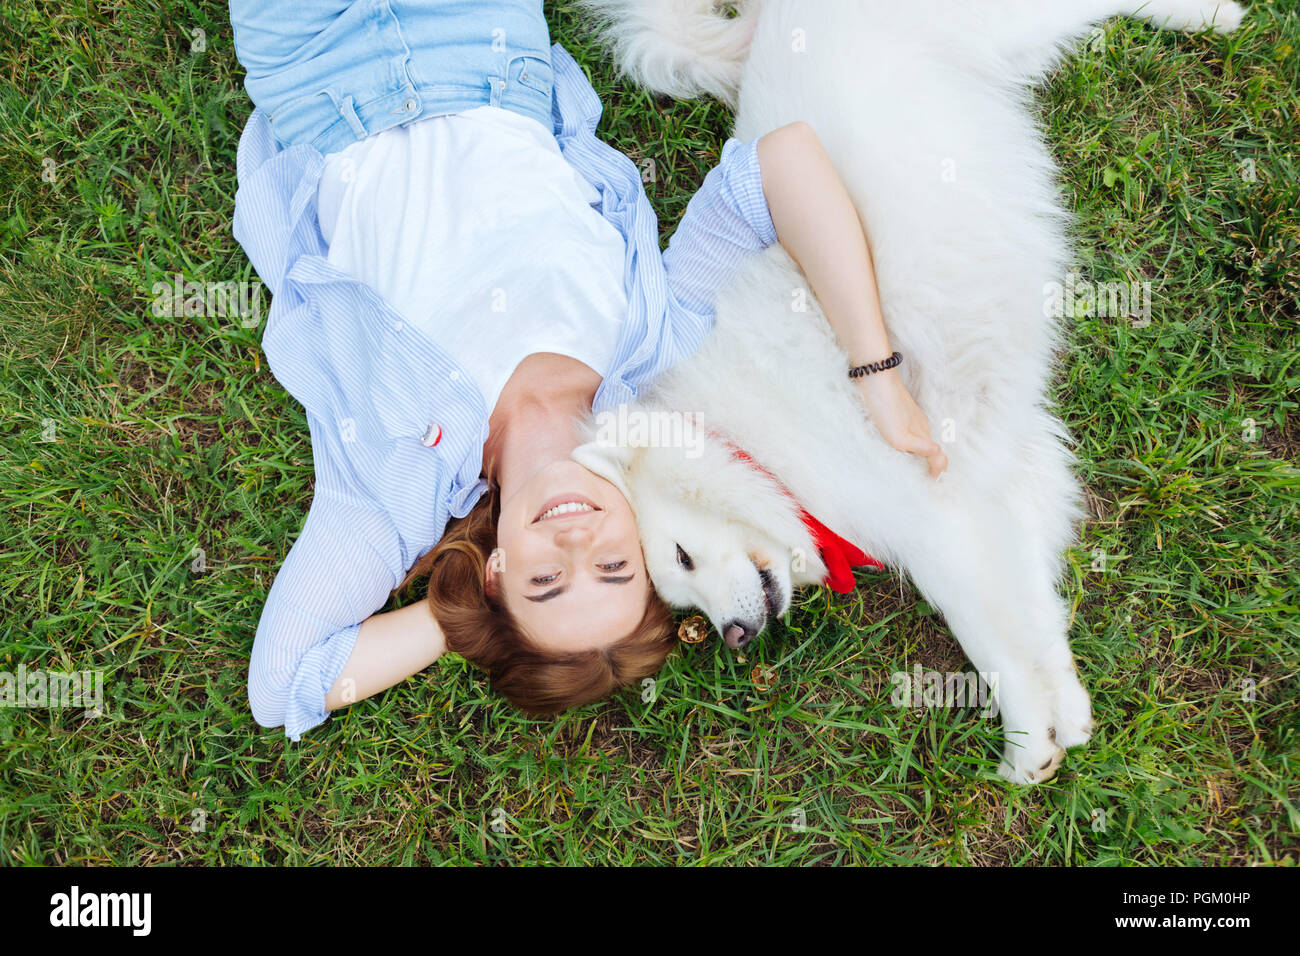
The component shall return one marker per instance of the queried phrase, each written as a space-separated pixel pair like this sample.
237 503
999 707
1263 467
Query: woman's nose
578 533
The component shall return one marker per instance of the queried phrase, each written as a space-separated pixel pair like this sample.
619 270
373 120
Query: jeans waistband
344 122
329 75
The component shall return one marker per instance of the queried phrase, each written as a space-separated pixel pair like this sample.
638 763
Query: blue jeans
331 72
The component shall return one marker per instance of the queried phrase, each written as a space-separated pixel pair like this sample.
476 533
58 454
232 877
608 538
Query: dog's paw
1030 763
1072 714
1223 16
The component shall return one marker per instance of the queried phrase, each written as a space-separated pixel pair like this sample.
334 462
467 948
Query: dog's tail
680 48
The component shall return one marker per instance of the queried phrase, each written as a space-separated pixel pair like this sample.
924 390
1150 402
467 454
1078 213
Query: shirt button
397 326
432 435
455 375
409 106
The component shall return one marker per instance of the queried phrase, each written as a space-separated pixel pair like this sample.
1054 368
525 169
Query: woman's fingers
938 463
907 429
927 448
919 443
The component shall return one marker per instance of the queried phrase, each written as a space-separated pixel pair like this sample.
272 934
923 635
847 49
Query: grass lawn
154 475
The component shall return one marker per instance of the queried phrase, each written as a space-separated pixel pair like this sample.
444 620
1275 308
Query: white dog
924 107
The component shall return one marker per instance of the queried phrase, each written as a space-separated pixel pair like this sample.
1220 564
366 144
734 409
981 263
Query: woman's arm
390 647
341 569
818 225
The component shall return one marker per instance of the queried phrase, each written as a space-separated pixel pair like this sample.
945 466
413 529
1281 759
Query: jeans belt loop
347 111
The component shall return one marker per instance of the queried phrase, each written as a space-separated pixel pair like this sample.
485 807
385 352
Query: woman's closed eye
610 567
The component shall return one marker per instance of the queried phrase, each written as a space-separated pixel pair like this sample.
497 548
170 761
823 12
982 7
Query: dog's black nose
737 634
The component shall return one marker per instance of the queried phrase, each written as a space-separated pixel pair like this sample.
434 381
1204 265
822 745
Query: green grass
171 434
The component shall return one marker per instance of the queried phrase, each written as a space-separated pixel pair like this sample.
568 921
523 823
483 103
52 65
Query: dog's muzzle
737 633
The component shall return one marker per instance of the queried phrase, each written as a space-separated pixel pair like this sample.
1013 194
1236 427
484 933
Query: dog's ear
606 460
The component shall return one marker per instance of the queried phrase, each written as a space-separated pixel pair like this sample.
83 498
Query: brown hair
480 628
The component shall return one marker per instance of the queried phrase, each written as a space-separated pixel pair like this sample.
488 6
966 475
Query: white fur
924 106
679 48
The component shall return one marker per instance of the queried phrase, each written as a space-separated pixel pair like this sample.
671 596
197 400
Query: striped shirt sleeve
335 576
726 221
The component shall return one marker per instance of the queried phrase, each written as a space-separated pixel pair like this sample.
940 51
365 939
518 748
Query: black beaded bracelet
859 370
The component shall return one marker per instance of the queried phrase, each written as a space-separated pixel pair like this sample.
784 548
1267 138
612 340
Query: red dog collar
839 556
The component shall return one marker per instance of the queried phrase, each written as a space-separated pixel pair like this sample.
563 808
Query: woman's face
568 563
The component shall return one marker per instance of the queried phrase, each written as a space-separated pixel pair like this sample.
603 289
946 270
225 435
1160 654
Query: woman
460 269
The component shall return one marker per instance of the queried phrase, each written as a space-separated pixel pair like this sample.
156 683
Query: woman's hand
899 419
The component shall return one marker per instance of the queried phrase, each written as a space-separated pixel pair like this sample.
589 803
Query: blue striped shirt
372 386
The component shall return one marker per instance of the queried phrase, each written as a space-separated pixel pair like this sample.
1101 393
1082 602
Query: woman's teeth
569 507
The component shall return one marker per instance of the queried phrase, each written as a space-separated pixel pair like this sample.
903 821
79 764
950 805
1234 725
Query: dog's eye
684 559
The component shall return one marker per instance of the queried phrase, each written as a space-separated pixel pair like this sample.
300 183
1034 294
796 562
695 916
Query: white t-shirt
475 229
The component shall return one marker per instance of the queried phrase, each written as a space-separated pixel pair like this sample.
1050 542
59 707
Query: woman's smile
565 506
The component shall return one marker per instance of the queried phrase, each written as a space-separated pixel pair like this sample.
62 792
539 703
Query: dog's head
717 533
